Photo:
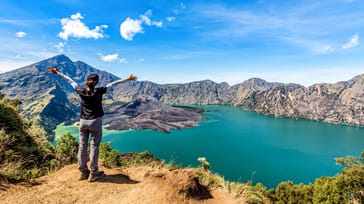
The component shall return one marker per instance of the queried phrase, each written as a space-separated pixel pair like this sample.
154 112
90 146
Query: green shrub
172 165
139 159
24 154
10 120
109 156
346 187
112 159
66 149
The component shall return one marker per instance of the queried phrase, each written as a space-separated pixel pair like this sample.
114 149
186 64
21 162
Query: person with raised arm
90 121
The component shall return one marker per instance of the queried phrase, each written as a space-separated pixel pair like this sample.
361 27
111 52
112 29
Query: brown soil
130 185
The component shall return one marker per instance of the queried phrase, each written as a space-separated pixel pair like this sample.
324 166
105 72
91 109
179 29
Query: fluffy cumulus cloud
130 27
353 41
108 58
20 34
74 27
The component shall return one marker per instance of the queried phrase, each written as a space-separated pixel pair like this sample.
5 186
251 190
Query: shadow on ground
117 179
3 187
3 183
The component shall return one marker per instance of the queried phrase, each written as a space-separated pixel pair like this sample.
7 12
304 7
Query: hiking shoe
84 175
96 176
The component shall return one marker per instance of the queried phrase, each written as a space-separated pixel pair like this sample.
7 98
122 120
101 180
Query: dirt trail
131 185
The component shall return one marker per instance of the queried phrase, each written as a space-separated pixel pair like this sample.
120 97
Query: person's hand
53 70
132 78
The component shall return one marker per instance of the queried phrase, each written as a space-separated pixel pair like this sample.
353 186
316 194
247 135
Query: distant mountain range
51 100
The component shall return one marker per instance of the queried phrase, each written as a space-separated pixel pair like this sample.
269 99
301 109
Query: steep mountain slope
340 103
199 92
45 97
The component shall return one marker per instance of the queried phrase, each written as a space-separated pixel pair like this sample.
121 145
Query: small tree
66 149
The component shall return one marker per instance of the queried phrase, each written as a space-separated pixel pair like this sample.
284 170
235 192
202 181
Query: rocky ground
130 185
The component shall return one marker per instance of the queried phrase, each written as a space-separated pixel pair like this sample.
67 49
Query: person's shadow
118 179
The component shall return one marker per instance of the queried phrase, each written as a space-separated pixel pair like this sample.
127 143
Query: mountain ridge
339 103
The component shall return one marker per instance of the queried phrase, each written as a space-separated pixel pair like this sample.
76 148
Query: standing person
90 121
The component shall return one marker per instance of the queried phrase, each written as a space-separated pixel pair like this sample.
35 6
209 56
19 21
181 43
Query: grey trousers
87 128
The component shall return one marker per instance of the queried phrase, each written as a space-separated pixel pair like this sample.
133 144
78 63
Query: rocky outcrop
148 113
339 103
199 92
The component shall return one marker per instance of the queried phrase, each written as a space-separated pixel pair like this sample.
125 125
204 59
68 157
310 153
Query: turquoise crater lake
242 145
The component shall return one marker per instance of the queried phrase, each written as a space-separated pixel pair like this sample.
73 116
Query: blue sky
299 41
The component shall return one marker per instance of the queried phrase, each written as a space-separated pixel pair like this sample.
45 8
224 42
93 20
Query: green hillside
24 149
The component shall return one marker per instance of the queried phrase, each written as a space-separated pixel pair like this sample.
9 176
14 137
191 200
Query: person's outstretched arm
67 78
120 81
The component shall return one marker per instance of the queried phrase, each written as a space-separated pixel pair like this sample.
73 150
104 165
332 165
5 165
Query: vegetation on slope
346 187
24 150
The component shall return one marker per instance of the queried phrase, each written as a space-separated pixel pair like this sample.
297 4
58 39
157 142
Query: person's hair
91 80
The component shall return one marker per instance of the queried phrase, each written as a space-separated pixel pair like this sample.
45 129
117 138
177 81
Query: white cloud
123 60
170 18
17 56
108 58
74 27
20 34
353 41
130 27
60 47
145 17
141 60
158 24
